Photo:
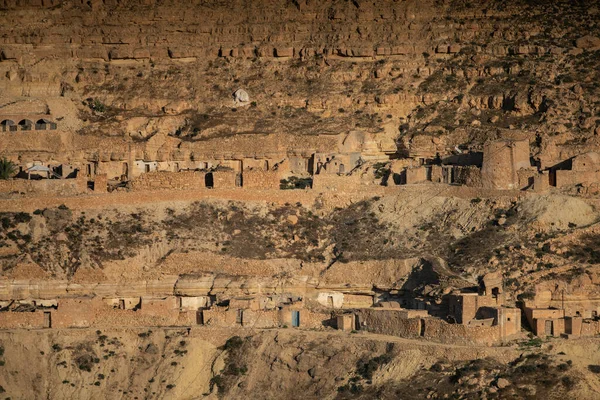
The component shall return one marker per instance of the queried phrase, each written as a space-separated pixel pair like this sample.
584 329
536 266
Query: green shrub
7 168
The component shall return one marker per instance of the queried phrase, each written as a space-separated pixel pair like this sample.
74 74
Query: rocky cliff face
439 74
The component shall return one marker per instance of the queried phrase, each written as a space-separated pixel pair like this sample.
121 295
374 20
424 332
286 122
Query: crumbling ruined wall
468 176
169 180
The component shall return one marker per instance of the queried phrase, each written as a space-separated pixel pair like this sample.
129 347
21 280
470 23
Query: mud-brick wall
416 175
44 187
260 179
440 331
389 322
260 318
590 328
27 320
169 180
336 182
566 178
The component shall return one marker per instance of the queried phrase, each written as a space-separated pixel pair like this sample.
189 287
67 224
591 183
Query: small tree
7 168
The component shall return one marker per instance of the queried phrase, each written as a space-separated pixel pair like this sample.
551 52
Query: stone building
486 308
502 161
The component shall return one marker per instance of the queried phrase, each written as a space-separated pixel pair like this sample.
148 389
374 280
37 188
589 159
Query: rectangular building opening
330 301
548 328
295 319
47 320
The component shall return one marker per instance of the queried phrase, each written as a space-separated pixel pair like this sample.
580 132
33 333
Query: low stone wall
260 179
440 331
336 182
389 322
25 320
169 180
44 187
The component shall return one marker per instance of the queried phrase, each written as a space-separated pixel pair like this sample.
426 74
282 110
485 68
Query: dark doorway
552 178
548 328
239 317
239 181
199 317
208 180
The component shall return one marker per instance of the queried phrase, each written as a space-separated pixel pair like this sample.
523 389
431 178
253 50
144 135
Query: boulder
588 42
240 96
502 383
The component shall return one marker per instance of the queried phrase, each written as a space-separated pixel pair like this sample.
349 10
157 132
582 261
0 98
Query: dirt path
107 200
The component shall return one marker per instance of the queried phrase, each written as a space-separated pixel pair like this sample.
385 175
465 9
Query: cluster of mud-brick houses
163 163
477 317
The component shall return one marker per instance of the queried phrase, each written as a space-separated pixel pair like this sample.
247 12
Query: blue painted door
295 318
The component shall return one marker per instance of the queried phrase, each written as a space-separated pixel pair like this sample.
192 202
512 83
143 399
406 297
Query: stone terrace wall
336 182
169 180
260 179
54 187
